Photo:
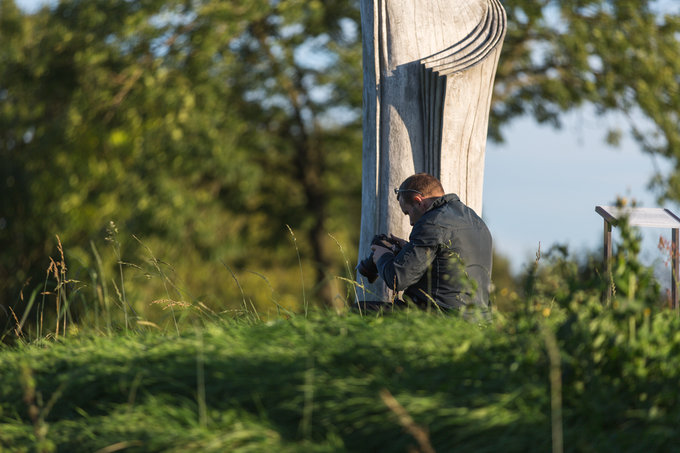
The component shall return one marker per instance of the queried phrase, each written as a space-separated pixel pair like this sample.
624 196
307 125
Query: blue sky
31 5
542 185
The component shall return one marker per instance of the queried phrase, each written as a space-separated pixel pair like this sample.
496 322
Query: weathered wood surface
429 68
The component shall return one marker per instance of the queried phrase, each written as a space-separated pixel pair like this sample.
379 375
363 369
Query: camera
367 267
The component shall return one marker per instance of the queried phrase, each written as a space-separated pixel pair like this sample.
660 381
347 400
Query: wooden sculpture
429 68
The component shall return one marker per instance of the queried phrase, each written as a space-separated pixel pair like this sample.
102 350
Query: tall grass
411 381
561 372
302 277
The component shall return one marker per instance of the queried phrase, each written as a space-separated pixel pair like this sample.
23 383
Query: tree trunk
317 236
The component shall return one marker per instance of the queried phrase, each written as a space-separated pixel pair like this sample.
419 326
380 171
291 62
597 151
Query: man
447 259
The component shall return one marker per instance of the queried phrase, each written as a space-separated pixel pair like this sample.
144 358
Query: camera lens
368 269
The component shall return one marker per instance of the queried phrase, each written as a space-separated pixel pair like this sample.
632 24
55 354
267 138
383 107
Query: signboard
643 217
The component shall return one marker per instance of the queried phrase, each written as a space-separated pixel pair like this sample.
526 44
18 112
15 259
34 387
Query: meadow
584 377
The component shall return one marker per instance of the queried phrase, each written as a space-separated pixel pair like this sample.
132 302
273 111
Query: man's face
414 210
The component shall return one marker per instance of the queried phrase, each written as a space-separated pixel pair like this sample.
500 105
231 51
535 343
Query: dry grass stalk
170 303
407 422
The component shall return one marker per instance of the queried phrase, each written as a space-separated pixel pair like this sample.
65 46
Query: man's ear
417 199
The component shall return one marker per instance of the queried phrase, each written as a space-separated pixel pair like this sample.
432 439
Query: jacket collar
443 200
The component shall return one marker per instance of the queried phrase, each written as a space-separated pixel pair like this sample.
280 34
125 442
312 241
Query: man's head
417 193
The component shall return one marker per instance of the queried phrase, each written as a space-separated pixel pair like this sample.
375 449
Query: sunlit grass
325 382
561 372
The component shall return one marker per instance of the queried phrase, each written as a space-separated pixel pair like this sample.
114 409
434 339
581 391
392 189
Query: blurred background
159 153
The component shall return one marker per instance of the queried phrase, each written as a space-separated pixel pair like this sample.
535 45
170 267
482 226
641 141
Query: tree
94 110
617 55
206 125
299 67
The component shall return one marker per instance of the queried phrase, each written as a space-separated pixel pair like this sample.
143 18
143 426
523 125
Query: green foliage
330 383
556 279
203 129
505 290
176 122
563 369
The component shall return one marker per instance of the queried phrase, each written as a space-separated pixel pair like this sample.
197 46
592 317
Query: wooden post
608 260
674 269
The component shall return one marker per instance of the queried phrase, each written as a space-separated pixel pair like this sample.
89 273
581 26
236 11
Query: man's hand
379 251
398 240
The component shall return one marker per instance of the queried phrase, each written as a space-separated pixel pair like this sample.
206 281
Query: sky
541 185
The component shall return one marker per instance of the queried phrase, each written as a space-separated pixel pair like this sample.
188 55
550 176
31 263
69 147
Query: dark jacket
447 259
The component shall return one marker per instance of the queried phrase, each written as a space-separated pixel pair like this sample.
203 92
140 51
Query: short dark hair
423 183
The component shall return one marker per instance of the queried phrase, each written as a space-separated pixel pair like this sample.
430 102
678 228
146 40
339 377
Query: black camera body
367 267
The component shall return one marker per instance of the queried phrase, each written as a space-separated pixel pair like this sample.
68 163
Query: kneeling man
447 259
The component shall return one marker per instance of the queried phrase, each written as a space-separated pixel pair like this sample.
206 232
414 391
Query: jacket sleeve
411 263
